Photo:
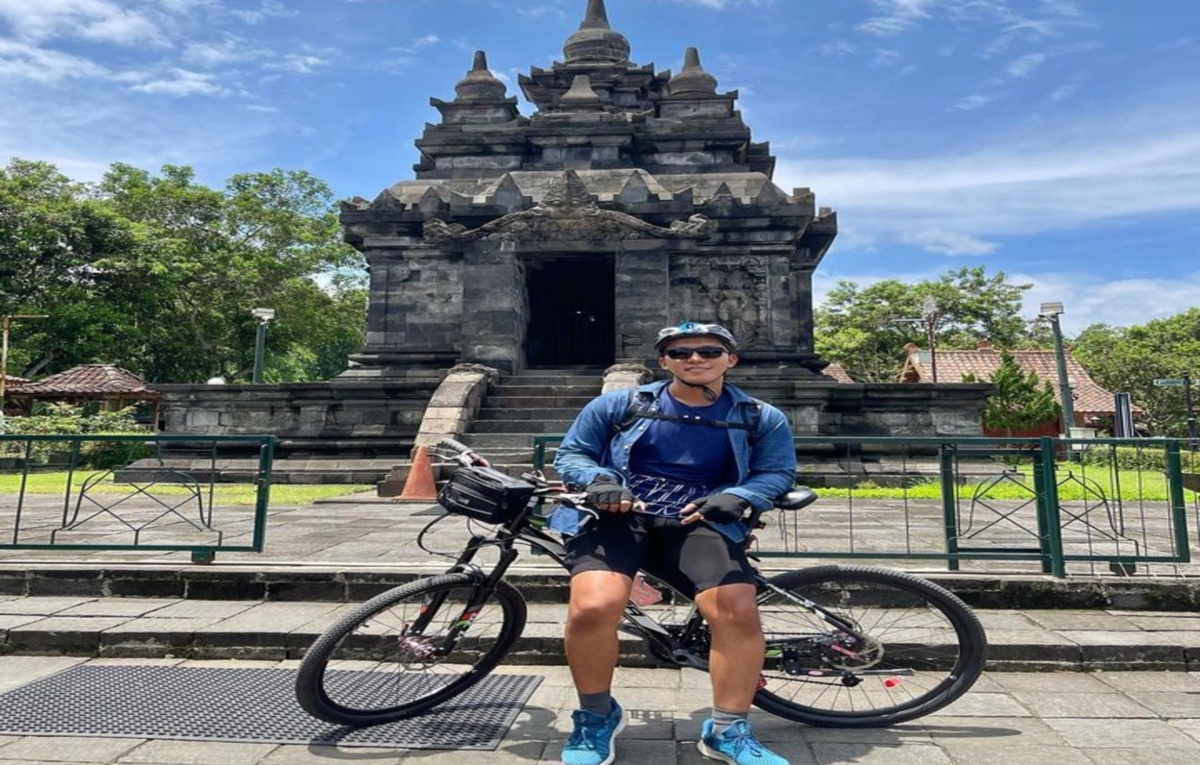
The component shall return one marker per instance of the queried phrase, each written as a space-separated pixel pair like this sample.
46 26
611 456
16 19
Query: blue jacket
593 447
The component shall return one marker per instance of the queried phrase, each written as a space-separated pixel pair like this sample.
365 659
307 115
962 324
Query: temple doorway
572 312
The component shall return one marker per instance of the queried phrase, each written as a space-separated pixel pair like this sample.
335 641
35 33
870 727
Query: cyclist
674 480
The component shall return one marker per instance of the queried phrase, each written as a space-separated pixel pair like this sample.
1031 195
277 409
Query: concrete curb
320 583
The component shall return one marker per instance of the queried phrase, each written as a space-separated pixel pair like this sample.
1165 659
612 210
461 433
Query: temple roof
605 185
692 80
480 84
88 379
596 41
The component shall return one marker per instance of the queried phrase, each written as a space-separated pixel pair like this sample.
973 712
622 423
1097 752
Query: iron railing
1064 506
146 493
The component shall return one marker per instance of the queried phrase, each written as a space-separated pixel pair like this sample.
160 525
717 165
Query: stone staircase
531 403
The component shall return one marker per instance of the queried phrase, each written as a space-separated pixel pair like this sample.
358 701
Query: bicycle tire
367 670
925 649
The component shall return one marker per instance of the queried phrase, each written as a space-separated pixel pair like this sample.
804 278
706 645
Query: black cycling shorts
690 558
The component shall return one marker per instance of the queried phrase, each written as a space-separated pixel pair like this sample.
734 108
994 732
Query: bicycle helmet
694 329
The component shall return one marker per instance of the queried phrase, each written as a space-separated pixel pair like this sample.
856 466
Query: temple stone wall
346 417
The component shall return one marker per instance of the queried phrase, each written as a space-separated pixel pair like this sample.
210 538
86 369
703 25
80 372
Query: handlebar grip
454 446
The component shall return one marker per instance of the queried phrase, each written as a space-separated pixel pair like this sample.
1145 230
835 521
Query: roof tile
953 366
88 379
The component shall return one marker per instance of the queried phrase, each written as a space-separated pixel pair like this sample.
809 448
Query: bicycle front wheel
905 647
407 650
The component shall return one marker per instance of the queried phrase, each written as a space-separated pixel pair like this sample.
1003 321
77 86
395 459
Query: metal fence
1060 507
135 493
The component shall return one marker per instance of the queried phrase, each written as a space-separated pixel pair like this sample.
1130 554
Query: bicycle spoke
909 649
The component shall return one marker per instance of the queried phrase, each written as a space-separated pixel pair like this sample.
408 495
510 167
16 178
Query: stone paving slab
1010 719
278 630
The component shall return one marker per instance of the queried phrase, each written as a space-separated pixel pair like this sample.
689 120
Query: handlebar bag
485 494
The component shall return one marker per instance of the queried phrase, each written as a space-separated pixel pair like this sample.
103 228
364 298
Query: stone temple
532 260
629 200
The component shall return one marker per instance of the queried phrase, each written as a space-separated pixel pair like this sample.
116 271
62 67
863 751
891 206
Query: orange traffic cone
419 486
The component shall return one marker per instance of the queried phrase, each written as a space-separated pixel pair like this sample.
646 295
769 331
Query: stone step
492 444
514 414
595 383
542 402
509 391
509 425
144 628
581 371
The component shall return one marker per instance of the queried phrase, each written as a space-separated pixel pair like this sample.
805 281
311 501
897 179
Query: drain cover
243 705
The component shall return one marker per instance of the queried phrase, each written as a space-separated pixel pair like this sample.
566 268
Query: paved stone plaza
248 610
1118 718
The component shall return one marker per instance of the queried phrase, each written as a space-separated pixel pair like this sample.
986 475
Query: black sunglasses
707 352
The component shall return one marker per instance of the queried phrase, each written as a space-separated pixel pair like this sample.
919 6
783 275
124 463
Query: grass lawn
226 493
1083 484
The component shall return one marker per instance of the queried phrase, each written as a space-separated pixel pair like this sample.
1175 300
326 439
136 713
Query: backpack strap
640 406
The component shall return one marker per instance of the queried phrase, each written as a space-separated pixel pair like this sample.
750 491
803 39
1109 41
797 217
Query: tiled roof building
1090 400
837 372
88 380
114 388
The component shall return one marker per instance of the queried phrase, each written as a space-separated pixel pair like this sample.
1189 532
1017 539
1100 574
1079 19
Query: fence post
1048 514
1178 503
946 453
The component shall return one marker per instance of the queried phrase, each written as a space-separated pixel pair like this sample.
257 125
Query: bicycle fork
479 596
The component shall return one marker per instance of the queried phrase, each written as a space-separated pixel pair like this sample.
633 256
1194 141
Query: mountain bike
846 646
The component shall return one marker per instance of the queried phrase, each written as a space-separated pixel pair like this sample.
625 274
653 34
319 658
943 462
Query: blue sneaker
591 743
736 745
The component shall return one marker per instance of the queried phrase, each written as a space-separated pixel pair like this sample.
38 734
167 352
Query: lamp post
930 318
5 328
1052 311
264 316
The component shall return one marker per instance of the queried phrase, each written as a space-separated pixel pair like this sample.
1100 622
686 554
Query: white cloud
1088 299
267 10
977 101
21 61
1013 19
1051 177
949 242
229 49
300 64
837 49
887 57
183 82
1025 65
97 20
538 11
1063 92
897 16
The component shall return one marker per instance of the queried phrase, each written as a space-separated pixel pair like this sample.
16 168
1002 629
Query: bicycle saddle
798 498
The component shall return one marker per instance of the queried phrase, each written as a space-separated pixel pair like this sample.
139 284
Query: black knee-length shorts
690 558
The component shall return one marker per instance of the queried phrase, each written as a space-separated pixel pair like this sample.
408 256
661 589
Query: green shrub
1152 457
67 420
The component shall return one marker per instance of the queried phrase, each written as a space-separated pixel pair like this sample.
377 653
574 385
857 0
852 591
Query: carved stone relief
567 213
734 292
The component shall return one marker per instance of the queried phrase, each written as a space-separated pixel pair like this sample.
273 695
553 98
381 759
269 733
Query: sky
1055 140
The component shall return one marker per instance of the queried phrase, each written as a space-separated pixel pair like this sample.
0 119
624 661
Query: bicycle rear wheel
923 648
395 657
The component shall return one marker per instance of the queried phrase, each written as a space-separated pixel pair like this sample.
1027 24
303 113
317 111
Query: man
673 482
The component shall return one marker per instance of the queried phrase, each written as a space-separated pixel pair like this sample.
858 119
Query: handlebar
463 453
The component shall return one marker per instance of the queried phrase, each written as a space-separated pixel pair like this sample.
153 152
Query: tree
861 328
159 273
1018 403
1129 359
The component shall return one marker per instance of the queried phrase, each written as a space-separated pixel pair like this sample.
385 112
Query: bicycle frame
635 618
